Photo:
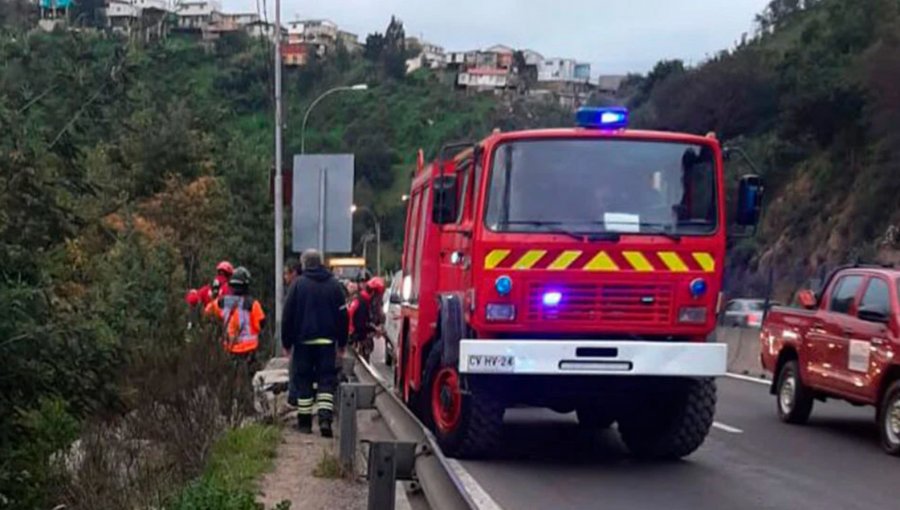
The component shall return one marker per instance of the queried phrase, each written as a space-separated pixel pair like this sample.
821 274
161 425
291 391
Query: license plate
491 363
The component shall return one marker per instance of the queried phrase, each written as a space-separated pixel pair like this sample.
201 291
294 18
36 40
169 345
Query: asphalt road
750 461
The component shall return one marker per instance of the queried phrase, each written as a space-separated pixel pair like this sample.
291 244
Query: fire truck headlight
692 315
503 284
497 312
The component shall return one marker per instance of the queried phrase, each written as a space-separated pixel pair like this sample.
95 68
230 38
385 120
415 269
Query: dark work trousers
315 363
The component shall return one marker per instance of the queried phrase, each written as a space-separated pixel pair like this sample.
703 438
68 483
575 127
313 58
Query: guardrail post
352 397
388 462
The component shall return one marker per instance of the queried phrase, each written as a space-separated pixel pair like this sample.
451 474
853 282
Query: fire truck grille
585 302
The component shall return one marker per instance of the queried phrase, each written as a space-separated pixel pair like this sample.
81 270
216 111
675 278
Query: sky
615 36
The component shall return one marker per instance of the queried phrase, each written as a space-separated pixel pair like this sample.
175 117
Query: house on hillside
144 20
263 30
430 56
610 84
563 69
321 33
197 15
349 40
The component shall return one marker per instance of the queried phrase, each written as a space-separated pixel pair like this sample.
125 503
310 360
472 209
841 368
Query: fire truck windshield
584 186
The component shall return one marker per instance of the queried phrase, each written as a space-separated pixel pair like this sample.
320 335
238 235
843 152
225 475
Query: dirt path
293 480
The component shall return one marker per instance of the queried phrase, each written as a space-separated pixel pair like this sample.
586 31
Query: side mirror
873 315
807 299
750 192
445 207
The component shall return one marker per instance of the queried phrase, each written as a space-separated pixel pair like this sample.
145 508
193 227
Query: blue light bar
613 117
552 298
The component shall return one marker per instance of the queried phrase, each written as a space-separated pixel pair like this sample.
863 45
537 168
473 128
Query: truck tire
672 424
594 417
466 425
889 419
793 398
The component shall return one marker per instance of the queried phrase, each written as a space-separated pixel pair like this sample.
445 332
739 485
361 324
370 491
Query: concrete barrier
743 351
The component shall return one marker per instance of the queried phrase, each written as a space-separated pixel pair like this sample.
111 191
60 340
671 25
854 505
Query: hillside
813 98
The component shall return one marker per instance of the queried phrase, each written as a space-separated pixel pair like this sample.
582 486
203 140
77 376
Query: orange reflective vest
242 318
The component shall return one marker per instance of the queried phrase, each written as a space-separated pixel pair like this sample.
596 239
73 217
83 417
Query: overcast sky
615 36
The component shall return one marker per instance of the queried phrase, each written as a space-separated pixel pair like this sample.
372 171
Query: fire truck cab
576 269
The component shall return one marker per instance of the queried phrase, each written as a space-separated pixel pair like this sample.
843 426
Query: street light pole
359 86
377 224
279 190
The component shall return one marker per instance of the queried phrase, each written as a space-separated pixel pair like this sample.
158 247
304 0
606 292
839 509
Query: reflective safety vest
241 331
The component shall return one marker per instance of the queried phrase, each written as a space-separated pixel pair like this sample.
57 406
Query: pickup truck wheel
466 425
671 424
594 417
794 399
889 419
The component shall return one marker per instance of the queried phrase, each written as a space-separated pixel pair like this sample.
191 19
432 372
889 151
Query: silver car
745 313
392 317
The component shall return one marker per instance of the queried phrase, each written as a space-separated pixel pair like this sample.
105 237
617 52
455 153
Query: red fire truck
574 269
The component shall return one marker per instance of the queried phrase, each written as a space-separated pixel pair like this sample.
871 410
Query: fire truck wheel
671 424
466 425
594 417
889 419
794 399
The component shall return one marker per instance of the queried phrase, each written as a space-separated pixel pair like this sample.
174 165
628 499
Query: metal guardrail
442 488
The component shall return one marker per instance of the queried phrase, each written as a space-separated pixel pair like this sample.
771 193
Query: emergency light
698 287
613 117
552 298
503 285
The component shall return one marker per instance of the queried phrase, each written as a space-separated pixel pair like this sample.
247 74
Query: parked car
392 317
843 344
745 313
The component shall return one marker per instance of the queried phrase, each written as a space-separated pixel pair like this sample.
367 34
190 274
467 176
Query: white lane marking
747 378
482 500
727 428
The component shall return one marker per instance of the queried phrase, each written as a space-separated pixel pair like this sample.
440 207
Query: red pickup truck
844 343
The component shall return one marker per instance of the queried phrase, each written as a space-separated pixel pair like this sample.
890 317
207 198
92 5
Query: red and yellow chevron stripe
600 260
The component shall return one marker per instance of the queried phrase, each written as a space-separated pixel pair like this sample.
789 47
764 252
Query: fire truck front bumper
592 357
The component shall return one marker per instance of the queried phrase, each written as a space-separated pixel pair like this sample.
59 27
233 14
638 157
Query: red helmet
192 297
376 284
225 267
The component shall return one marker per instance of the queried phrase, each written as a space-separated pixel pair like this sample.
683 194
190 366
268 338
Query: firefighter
219 286
313 328
242 316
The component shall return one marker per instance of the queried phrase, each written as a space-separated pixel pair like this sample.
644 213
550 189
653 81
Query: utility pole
279 188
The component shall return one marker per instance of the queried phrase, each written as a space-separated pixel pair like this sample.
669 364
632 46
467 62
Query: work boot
304 423
325 428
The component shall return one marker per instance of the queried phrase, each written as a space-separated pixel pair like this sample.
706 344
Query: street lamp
357 87
354 209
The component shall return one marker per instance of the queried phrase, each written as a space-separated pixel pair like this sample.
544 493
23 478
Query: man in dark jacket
314 325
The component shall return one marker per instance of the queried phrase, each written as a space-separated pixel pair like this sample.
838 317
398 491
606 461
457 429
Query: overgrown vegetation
126 172
813 97
237 460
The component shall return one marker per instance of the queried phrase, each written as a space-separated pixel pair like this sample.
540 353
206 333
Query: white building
197 14
263 30
144 18
483 79
432 56
563 69
321 33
